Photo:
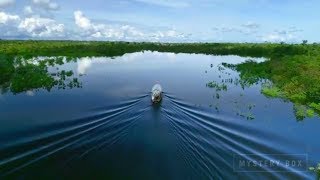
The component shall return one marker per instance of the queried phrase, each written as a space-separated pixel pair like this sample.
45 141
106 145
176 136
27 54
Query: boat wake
138 137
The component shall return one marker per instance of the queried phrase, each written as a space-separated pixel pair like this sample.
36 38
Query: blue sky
162 20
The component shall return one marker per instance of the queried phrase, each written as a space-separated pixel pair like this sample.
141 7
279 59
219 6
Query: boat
156 94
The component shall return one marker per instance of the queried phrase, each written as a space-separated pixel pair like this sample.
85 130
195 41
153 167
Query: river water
98 122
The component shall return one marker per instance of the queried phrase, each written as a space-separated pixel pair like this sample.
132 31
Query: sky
162 20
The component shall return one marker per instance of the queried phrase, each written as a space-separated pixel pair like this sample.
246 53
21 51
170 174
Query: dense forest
98 48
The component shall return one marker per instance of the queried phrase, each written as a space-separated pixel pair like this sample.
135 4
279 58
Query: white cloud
46 4
251 25
8 18
166 3
13 26
291 34
273 37
280 35
8 25
97 30
41 27
119 32
27 10
97 35
38 27
81 21
167 34
5 3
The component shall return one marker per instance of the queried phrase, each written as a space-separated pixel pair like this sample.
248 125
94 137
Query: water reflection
83 65
109 128
26 75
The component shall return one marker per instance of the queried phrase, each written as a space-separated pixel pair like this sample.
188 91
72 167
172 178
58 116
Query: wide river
92 117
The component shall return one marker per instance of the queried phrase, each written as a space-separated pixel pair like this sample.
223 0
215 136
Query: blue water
108 128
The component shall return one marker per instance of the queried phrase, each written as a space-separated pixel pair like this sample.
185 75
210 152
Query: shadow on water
137 140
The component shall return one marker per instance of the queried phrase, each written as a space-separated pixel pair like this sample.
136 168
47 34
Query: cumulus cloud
167 34
82 21
46 4
8 18
8 24
27 10
41 27
119 32
5 3
102 30
290 34
274 37
13 26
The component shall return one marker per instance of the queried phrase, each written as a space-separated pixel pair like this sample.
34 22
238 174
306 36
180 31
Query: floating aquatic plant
316 170
217 86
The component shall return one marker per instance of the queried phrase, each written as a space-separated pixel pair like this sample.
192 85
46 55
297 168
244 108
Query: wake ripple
206 142
106 126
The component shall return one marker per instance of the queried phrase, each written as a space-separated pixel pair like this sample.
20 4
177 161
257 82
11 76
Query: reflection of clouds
83 65
30 93
149 59
171 56
148 56
131 56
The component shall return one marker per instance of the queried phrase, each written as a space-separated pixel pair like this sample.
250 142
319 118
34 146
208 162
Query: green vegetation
271 91
20 75
299 111
217 86
291 73
310 112
291 77
94 48
316 170
315 106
